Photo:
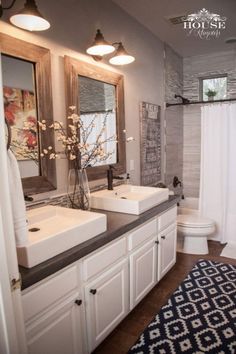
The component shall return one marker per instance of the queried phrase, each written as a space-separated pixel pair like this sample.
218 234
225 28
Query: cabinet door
143 266
59 331
166 250
107 303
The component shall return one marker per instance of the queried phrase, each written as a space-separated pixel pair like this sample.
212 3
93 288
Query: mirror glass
21 113
98 97
97 109
28 100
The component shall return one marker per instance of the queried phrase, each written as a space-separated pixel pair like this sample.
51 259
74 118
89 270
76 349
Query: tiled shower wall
201 66
173 118
194 68
183 124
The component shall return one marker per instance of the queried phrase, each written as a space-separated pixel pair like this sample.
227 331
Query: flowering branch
78 150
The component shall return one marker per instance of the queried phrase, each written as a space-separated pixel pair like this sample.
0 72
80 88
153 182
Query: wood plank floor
125 335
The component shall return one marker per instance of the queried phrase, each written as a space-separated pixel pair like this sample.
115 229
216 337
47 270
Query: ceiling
154 14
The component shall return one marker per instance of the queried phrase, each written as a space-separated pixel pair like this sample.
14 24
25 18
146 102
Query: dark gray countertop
117 225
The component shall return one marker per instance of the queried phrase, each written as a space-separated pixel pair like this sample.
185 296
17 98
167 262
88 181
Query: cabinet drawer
141 234
49 292
167 218
104 258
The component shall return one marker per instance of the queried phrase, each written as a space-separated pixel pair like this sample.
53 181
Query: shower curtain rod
199 102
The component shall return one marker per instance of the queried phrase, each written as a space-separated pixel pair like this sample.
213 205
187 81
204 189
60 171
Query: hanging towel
17 201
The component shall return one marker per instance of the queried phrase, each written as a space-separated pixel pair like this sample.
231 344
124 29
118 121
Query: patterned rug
200 316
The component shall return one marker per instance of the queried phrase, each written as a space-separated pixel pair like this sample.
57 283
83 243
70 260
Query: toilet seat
194 221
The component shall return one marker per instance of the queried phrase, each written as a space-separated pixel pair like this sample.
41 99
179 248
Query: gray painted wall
17 73
73 27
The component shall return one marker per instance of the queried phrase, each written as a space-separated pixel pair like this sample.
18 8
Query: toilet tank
189 206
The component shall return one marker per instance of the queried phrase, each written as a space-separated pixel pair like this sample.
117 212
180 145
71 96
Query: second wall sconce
101 47
29 18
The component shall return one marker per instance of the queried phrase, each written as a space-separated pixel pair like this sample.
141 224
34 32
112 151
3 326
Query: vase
210 98
78 193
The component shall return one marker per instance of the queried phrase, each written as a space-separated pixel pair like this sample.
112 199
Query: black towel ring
8 134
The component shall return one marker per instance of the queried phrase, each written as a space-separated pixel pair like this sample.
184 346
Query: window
213 88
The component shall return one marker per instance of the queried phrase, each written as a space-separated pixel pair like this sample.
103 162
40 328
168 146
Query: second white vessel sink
129 199
53 230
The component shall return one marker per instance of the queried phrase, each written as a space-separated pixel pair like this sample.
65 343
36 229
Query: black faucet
110 177
28 199
176 182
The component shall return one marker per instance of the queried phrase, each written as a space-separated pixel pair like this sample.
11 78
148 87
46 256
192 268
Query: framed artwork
150 123
20 112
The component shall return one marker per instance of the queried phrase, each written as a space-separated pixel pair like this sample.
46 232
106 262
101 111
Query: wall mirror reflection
20 109
98 107
26 72
98 95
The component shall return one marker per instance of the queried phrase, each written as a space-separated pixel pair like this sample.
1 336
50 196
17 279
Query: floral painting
20 112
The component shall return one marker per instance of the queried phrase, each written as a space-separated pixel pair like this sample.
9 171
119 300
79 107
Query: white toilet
194 229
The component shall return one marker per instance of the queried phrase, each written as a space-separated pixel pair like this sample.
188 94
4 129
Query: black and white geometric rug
200 316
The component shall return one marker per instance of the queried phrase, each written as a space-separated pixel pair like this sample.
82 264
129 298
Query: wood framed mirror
26 71
99 92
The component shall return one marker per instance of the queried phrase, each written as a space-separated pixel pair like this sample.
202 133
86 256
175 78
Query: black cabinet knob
78 302
163 237
157 242
93 291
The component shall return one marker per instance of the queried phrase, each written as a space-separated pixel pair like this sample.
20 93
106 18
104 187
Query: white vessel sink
53 230
129 199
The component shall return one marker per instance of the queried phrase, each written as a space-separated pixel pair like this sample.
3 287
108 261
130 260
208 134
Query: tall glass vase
78 192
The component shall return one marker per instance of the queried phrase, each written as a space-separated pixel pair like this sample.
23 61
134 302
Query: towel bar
8 134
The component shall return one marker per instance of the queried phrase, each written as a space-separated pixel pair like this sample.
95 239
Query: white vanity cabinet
167 233
107 302
54 315
153 253
59 332
143 261
72 311
106 284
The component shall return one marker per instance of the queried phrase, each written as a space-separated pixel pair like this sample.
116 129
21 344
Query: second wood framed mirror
99 93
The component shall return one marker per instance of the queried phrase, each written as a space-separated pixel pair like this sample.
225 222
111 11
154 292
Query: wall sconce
121 56
29 18
101 47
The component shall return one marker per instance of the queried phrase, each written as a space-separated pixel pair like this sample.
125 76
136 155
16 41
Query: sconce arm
117 43
7 7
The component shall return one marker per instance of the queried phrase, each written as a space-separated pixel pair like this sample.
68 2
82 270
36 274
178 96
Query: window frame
215 76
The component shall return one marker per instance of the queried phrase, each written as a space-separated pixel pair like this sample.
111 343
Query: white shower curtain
218 168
